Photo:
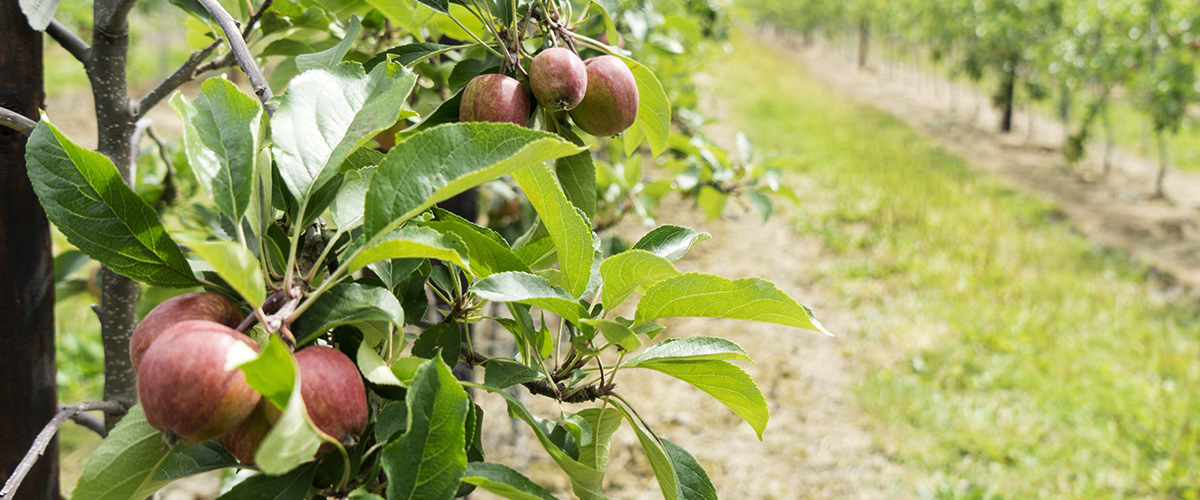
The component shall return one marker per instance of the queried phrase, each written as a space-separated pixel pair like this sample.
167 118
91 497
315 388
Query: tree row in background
1079 55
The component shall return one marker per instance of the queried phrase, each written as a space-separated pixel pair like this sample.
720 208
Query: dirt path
1114 211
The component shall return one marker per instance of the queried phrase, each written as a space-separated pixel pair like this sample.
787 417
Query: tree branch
109 17
241 52
16 121
70 41
43 438
186 73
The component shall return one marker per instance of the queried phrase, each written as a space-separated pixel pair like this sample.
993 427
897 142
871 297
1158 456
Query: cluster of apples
186 353
600 93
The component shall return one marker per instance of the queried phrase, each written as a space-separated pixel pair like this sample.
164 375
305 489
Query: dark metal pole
28 394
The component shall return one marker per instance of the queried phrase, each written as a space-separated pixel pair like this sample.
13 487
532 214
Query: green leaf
722 380
348 206
133 462
761 203
291 486
626 272
325 115
428 461
504 482
660 462
293 439
346 304
654 109
237 266
444 339
503 373
710 296
328 59
570 230
604 421
374 369
487 252
692 349
443 161
712 202
85 197
538 254
586 481
670 242
441 6
577 176
404 54
271 373
391 420
616 333
413 242
694 483
221 134
529 289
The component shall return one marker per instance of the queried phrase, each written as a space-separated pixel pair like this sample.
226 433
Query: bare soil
1115 210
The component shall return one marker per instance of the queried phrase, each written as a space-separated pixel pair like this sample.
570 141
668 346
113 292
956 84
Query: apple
333 392
495 98
189 383
190 306
558 78
611 102
243 441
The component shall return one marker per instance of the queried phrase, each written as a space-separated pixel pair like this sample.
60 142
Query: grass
1001 355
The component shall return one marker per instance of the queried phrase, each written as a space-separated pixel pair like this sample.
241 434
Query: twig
16 121
262 9
89 421
186 73
70 41
241 52
168 184
43 439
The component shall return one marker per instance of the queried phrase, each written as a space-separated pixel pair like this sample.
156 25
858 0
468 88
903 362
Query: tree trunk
864 36
1007 92
1162 164
1108 141
28 391
114 123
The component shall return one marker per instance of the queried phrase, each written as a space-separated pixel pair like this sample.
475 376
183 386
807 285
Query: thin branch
224 61
241 52
43 439
70 41
135 148
16 121
262 9
168 184
89 422
186 73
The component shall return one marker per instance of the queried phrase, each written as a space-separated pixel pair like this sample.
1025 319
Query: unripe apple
611 102
243 441
558 78
495 98
189 383
197 305
333 391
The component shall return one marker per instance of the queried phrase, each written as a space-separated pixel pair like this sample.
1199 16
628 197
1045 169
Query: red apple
333 391
495 98
243 440
611 102
558 78
191 306
189 383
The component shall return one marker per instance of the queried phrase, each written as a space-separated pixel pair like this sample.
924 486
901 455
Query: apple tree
305 347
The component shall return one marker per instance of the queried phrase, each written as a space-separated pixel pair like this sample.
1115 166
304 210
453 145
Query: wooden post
28 392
